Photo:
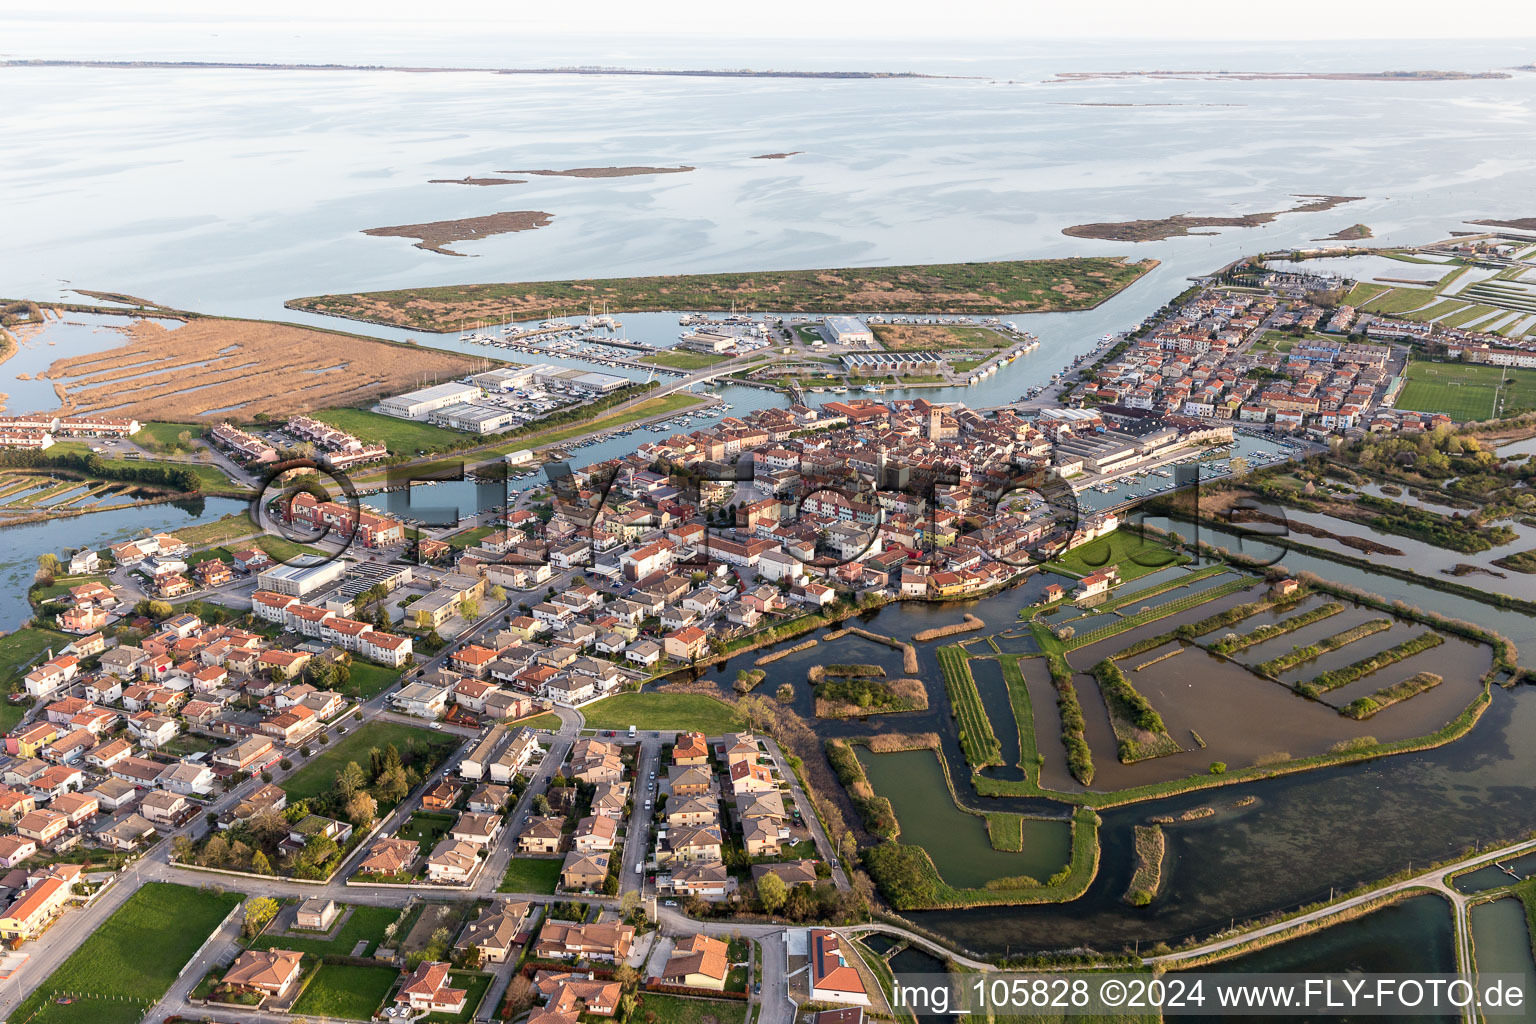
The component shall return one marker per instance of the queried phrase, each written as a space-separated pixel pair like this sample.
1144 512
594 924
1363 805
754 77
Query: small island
1189 224
1289 76
778 156
470 180
437 235
605 172
1517 223
1353 233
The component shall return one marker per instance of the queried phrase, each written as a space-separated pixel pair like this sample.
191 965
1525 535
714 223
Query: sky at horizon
1189 21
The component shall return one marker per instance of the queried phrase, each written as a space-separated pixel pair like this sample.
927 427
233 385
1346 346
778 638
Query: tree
361 809
521 996
181 848
541 804
350 779
392 786
160 609
260 864
216 851
771 893
258 911
756 713
268 828
498 593
469 608
629 903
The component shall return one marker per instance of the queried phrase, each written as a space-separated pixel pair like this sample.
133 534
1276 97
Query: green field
1467 391
530 874
345 990
223 529
1397 301
213 478
154 436
1132 555
369 679
19 651
137 953
471 537
319 774
365 923
1005 286
401 437
549 720
681 1010
661 711
685 360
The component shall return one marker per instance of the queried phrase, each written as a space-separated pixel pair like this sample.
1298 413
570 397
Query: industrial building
708 343
477 417
300 580
879 363
417 405
849 330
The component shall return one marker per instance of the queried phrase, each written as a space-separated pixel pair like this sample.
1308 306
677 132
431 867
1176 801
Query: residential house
697 961
541 835
452 862
271 971
584 871
426 990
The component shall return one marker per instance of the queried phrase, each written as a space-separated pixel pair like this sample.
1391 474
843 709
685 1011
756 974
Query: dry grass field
208 369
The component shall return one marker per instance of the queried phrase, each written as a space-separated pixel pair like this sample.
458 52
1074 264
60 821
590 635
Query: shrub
1218 767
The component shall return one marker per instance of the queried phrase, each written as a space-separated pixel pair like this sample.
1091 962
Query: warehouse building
300 580
417 405
476 417
849 330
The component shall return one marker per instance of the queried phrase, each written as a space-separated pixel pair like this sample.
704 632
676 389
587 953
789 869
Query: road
1433 879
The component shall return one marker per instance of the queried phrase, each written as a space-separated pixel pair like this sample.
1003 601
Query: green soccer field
1465 392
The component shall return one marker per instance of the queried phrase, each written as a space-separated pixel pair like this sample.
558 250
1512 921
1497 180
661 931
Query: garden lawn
137 953
529 874
365 923
548 720
319 774
427 829
1132 555
345 990
662 712
682 1010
